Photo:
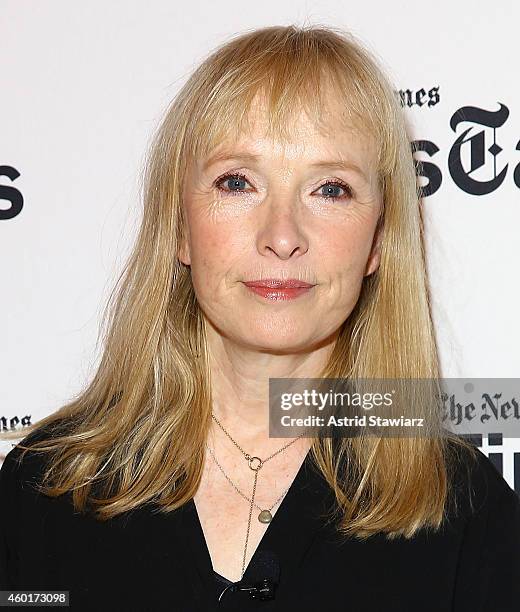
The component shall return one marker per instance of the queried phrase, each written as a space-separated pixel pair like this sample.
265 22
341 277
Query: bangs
329 79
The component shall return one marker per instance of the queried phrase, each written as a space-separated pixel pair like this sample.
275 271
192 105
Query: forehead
332 136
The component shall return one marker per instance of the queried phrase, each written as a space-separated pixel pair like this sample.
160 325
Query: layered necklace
254 463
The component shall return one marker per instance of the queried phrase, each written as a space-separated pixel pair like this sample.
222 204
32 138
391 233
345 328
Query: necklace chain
255 463
238 490
246 455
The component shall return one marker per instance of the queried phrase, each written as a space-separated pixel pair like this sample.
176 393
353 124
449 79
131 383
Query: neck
240 385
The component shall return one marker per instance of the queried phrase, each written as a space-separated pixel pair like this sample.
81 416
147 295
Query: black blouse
143 560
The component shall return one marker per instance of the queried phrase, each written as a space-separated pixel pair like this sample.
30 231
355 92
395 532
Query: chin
275 335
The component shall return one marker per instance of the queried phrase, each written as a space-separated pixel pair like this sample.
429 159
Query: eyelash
336 182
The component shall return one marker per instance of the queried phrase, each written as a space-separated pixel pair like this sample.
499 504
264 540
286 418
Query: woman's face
258 209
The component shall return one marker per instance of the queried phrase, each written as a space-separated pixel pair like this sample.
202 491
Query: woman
281 238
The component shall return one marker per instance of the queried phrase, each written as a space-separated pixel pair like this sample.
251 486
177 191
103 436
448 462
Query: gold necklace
254 463
265 515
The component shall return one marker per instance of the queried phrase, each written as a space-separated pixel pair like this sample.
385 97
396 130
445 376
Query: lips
275 283
275 289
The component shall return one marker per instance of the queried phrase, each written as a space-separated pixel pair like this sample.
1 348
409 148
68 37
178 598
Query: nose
281 234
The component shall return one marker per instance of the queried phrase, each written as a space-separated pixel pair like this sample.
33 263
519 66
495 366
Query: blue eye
236 180
332 188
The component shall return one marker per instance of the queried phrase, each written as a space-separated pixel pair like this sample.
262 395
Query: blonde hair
136 433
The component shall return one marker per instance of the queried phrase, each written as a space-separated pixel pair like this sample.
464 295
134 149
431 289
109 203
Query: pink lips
277 289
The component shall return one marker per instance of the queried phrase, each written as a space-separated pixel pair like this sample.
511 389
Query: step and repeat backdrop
83 88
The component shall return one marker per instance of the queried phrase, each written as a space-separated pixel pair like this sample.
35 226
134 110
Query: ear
374 258
183 253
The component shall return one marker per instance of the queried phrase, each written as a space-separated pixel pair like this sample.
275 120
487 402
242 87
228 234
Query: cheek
214 247
344 256
345 251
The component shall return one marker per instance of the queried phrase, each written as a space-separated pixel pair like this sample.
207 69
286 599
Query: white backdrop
83 86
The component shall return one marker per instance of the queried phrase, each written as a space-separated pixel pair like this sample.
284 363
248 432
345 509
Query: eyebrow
224 156
253 157
340 165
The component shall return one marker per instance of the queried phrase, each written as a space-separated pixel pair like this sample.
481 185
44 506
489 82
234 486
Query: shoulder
21 469
476 485
488 571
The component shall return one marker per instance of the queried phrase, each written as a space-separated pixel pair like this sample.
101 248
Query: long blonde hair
136 433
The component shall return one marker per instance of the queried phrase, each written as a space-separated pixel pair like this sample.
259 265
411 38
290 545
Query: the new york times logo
10 194
492 410
479 143
419 97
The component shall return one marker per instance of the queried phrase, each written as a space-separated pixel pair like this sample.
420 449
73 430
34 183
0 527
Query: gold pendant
265 516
